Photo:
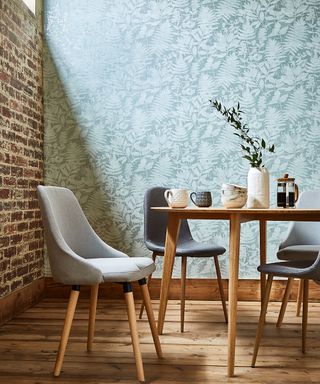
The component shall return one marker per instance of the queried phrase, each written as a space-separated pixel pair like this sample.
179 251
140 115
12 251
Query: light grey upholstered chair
79 257
302 243
155 225
305 270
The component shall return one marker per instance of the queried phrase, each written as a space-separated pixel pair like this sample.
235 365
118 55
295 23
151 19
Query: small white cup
177 198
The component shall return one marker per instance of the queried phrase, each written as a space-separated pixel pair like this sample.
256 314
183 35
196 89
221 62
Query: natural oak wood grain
235 217
152 323
221 289
183 290
305 313
196 289
92 315
299 297
154 256
29 342
263 255
170 247
134 335
21 299
233 290
285 301
66 331
262 320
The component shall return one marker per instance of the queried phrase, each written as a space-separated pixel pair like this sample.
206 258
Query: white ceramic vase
258 188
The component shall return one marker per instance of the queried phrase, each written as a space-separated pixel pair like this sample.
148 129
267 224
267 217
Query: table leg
233 289
263 256
169 254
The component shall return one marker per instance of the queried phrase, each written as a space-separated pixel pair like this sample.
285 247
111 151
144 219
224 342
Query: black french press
287 192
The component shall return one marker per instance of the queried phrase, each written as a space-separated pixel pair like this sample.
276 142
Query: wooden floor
28 346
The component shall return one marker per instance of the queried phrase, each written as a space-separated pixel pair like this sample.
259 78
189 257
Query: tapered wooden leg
183 290
152 323
285 301
233 290
92 315
299 297
262 320
134 332
170 251
263 256
220 285
73 299
305 313
149 282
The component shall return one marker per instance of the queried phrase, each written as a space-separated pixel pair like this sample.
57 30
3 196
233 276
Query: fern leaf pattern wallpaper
127 85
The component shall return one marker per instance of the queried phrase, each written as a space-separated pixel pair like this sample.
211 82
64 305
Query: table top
277 214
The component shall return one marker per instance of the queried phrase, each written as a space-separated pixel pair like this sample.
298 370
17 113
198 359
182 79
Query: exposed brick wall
21 146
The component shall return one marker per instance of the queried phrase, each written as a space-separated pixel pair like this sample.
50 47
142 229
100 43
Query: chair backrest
155 223
70 238
304 232
65 221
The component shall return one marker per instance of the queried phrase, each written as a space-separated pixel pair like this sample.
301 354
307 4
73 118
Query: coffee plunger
287 192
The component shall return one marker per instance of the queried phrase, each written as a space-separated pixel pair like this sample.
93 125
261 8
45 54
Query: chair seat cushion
292 268
123 269
298 252
189 248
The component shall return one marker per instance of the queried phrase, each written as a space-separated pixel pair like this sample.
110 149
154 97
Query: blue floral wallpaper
127 85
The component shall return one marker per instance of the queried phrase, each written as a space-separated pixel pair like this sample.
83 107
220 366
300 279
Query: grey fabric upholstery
297 252
302 269
155 225
77 255
303 238
124 269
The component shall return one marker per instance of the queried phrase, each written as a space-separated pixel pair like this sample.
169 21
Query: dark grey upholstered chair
301 269
302 243
155 225
78 256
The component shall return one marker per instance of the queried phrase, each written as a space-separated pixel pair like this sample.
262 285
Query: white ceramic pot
258 188
233 198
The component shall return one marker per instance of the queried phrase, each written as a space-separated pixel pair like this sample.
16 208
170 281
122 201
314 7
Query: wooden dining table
235 217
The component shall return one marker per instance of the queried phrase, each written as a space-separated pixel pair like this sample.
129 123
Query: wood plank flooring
28 346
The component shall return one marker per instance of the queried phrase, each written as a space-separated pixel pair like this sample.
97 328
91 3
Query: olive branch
253 147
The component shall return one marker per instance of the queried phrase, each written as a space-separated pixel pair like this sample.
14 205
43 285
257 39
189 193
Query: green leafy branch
252 147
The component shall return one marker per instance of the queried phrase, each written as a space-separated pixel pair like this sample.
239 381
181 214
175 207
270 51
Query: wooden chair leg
299 297
183 290
73 299
133 330
152 323
305 313
285 301
154 256
92 315
262 320
221 291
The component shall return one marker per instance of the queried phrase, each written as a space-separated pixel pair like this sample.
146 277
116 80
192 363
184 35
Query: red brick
4 289
16 284
6 112
22 226
4 241
4 193
10 275
15 239
21 147
22 270
28 279
16 216
9 252
4 170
